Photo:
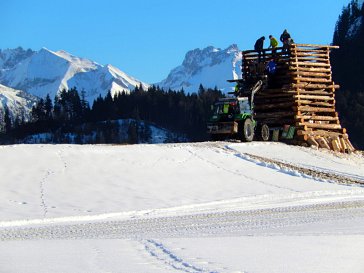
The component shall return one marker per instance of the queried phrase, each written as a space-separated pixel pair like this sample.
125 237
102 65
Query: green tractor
233 117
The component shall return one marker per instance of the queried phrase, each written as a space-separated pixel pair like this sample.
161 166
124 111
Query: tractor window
218 109
225 108
244 106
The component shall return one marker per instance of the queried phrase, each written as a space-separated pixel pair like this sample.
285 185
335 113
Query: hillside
193 207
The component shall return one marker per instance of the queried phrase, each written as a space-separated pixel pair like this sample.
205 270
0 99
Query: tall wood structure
300 94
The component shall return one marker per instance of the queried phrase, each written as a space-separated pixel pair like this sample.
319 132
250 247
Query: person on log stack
270 69
285 39
273 44
258 47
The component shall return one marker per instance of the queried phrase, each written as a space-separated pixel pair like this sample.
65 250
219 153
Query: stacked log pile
301 93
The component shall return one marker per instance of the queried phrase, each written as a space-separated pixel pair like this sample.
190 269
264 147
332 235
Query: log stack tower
300 94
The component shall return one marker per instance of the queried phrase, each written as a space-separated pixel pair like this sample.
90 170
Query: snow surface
192 207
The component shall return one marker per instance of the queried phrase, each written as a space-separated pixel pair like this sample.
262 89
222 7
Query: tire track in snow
160 252
294 170
237 172
276 220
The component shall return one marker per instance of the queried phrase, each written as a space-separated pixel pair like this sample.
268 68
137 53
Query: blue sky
148 38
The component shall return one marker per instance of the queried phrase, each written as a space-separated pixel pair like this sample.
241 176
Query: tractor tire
264 133
247 132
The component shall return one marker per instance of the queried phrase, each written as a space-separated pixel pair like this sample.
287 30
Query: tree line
347 65
69 113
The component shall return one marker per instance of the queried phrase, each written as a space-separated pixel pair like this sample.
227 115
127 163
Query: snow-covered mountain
211 67
47 72
18 103
11 57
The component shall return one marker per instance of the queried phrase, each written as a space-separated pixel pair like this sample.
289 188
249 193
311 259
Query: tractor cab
233 116
227 109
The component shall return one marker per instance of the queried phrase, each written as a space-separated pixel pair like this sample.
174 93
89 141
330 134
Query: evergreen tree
48 107
7 120
133 137
347 64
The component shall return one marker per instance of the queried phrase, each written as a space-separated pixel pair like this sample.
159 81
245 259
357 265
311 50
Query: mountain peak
210 67
10 57
47 72
195 56
233 47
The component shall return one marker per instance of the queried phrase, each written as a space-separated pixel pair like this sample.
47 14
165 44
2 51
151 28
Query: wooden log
328 140
315 92
322 52
319 125
310 117
314 109
318 97
322 142
313 53
344 147
312 80
311 64
316 86
310 69
339 143
335 145
319 47
312 142
321 133
310 58
349 145
314 103
310 74
313 56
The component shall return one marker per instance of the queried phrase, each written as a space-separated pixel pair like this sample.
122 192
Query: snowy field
192 207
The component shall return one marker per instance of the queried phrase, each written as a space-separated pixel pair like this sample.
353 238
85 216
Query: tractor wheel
264 133
247 133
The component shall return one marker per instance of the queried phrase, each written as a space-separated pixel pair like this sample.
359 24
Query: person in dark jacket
258 47
285 39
